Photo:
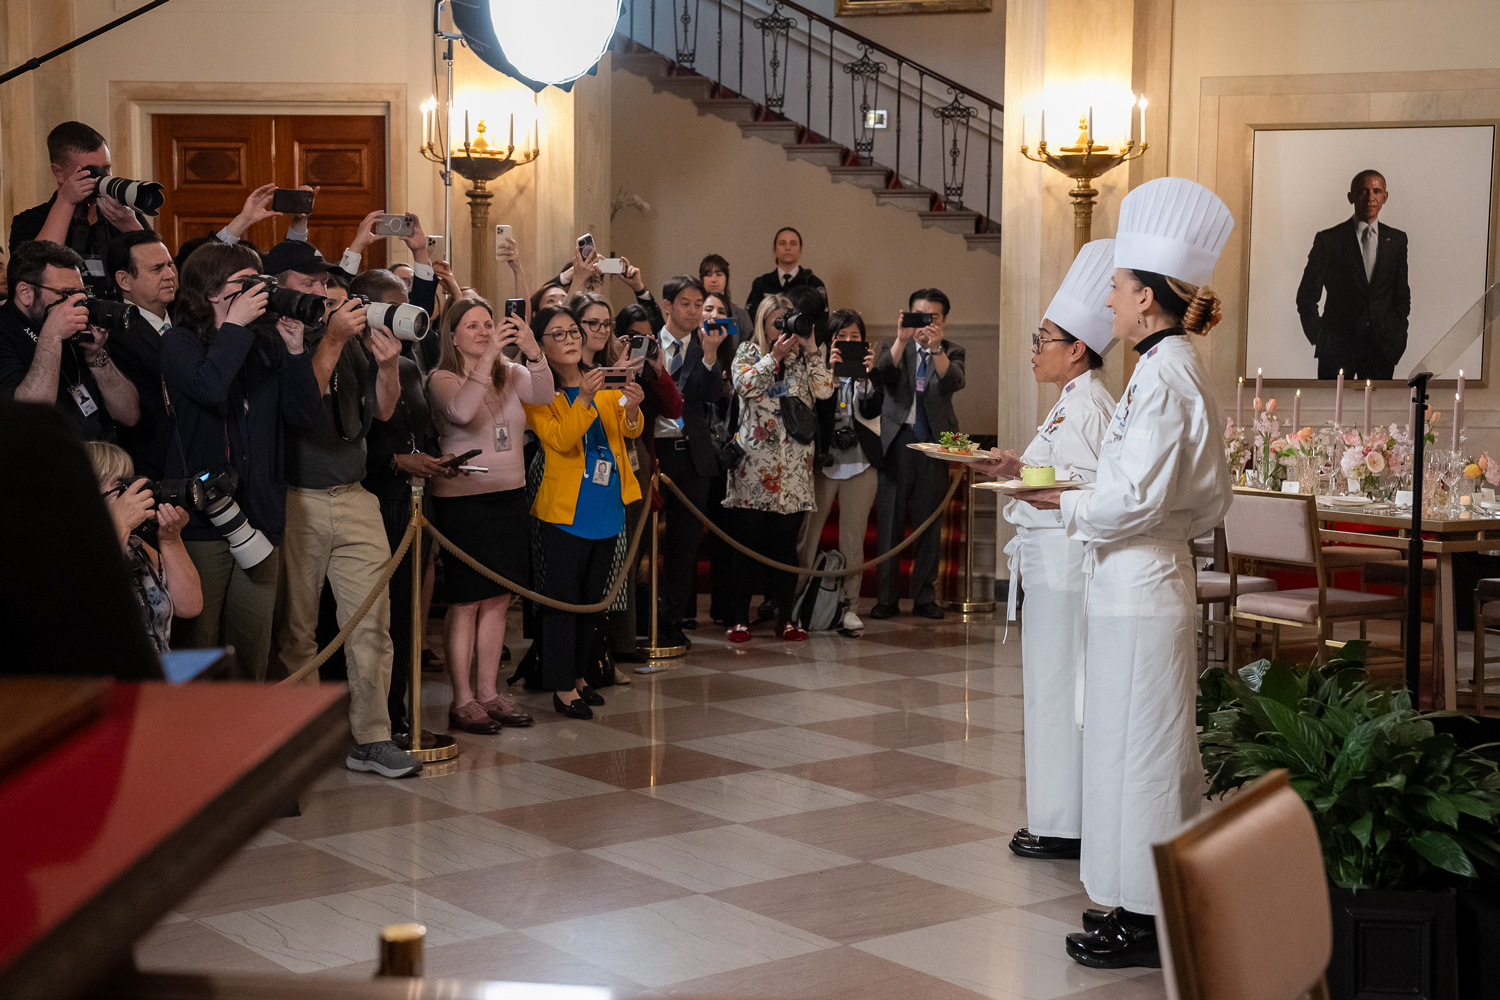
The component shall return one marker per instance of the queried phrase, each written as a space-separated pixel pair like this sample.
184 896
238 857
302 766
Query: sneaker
384 758
852 622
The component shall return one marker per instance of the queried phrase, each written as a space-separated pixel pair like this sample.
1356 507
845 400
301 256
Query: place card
1291 486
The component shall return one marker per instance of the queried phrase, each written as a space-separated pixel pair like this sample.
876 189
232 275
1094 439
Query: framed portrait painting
1367 244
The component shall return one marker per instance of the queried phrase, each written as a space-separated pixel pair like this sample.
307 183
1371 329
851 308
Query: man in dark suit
1362 265
684 447
142 266
788 275
920 372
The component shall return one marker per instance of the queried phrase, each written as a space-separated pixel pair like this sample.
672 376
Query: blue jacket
229 400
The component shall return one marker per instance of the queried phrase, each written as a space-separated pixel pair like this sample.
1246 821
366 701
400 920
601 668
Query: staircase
848 161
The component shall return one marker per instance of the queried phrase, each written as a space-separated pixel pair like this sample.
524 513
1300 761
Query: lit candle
1044 125
1338 401
1143 119
1023 128
1258 393
424 124
466 128
1367 405
512 130
1297 411
1239 403
1090 143
1458 419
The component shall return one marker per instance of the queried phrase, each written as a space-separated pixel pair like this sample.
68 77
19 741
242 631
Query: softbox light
539 44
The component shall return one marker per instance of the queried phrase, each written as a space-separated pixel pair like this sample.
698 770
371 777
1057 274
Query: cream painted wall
968 47
1359 60
711 190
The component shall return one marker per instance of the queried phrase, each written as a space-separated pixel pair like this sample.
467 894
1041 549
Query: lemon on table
1471 471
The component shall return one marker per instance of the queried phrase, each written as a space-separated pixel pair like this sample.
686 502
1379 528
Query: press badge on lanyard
83 399
777 390
603 468
502 437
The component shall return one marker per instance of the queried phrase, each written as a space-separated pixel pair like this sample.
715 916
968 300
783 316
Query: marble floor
825 819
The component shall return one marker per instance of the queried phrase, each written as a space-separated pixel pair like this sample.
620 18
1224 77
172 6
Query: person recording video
79 215
49 351
234 381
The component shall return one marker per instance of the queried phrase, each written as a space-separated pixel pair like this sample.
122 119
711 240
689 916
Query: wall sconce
1087 159
478 162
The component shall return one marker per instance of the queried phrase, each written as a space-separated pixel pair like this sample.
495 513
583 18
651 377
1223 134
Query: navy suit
1363 326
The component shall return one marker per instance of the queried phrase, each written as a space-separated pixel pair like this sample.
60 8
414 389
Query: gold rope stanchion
969 609
656 651
421 744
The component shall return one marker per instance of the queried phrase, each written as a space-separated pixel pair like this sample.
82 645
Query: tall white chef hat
1175 227
1078 307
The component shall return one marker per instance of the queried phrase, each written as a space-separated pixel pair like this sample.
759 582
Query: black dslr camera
146 196
106 313
798 324
211 493
302 306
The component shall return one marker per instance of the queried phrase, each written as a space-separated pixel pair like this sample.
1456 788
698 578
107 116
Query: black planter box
1393 944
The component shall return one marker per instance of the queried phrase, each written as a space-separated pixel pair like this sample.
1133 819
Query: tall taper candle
1338 401
1458 419
1367 406
1258 393
466 128
1239 403
1297 412
1143 119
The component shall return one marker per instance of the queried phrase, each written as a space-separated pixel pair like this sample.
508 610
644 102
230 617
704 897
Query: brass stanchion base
968 607
434 746
664 652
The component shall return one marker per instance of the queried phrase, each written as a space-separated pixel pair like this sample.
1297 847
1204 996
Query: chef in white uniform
1076 333
1162 482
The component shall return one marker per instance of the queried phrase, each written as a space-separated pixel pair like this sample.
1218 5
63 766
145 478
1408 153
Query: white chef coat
1053 632
1162 482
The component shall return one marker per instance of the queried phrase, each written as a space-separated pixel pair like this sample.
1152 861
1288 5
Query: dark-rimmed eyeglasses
1037 340
563 336
594 325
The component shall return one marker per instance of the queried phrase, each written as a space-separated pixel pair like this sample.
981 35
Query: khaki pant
237 608
856 496
338 535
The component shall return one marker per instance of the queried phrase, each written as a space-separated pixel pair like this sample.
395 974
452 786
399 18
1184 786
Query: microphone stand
31 64
1418 385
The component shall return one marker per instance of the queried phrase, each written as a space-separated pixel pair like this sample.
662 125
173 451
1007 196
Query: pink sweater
467 412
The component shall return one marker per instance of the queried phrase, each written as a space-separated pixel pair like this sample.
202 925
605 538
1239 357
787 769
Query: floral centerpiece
1298 452
1236 450
1367 457
1265 438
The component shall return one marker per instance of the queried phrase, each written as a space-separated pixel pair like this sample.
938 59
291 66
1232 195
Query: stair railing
890 113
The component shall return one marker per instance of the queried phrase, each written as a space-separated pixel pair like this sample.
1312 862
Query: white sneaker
852 622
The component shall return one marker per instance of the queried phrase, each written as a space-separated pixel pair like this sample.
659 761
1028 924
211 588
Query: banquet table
109 825
1441 538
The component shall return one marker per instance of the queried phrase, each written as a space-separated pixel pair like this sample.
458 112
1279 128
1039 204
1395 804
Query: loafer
504 710
1119 943
1026 844
471 717
881 612
578 709
590 696
929 610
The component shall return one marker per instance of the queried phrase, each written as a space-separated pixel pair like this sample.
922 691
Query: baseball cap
296 255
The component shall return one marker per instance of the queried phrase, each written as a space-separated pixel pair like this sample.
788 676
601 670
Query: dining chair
1219 587
1486 620
1221 879
1282 528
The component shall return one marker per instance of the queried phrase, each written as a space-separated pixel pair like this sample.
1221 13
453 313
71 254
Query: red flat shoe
738 633
792 633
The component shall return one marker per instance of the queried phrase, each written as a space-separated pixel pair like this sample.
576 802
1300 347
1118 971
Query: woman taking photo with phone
586 486
477 404
849 452
232 391
777 375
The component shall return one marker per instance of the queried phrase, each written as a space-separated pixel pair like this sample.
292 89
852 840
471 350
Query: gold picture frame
859 8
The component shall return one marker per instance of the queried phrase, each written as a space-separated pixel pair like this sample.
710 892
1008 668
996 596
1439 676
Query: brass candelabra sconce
1084 161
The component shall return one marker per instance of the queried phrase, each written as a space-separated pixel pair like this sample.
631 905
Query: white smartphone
502 233
435 246
611 265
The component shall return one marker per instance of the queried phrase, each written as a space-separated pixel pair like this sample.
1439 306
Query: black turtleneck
1149 342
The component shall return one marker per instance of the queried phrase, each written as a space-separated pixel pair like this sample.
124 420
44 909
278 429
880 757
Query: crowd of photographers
255 420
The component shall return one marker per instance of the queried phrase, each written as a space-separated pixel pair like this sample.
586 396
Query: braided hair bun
1203 312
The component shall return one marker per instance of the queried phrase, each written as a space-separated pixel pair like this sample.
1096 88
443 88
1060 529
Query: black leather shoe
1026 845
881 612
578 709
590 696
670 635
768 609
1123 941
1095 919
929 610
689 624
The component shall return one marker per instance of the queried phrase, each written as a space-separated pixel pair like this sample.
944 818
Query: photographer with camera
52 352
848 455
334 529
163 579
79 215
233 382
778 374
920 372
142 267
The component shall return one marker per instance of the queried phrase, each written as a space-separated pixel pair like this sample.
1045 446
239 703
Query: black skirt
495 529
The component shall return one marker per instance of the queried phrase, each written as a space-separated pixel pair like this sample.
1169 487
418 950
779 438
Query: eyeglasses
64 292
563 336
595 325
1037 340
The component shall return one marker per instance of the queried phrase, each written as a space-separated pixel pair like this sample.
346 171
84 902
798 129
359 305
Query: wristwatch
102 361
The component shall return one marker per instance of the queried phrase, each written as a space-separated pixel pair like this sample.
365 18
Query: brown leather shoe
472 718
503 709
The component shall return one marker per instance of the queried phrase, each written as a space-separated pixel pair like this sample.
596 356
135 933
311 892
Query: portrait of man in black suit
1361 265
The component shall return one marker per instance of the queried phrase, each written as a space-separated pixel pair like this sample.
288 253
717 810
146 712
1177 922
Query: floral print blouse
776 473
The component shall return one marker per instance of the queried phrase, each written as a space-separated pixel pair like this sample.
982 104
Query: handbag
798 418
727 450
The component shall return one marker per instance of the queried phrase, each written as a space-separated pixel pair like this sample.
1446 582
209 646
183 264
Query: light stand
1418 384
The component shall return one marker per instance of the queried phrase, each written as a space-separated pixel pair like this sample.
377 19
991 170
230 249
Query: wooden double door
209 164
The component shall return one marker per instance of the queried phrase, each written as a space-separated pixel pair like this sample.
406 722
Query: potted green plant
1406 817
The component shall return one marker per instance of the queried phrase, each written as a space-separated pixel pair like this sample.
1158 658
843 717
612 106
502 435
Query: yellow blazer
560 427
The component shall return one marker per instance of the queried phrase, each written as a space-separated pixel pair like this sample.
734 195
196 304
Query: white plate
1350 501
936 451
1015 487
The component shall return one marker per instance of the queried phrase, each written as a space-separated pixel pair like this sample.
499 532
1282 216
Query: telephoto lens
109 314
798 324
247 544
403 321
189 493
147 196
302 306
